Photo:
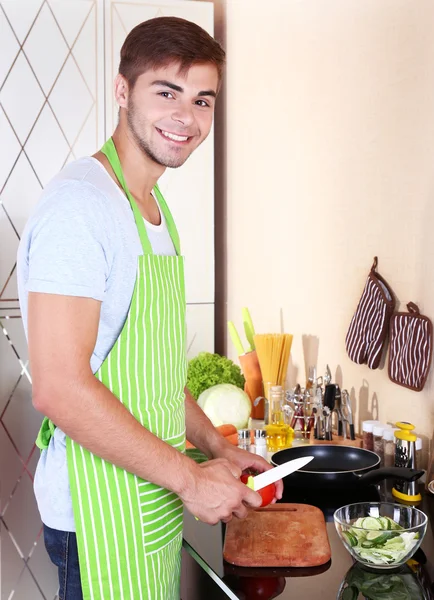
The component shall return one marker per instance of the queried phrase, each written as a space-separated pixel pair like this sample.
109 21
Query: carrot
232 439
225 430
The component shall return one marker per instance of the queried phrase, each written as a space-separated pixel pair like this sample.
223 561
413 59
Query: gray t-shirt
81 240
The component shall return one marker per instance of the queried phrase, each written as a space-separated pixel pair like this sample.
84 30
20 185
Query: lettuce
207 370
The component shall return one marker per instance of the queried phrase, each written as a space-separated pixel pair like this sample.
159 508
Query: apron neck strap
171 227
109 149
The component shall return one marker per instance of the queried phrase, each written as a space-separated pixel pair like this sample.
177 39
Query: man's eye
202 103
166 94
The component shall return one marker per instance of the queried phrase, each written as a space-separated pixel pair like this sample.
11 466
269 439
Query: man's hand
215 493
247 460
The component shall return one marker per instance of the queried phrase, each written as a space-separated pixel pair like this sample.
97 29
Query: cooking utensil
272 475
318 413
339 466
329 403
326 413
347 412
405 456
327 376
342 430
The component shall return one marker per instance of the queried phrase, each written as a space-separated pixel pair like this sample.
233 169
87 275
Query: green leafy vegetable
207 370
380 541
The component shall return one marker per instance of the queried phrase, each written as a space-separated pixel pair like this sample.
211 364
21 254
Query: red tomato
267 493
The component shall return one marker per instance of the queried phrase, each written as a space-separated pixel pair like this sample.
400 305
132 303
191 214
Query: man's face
170 114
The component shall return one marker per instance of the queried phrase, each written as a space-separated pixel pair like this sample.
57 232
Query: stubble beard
136 124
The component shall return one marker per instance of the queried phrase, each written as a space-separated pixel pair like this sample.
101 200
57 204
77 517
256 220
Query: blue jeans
62 550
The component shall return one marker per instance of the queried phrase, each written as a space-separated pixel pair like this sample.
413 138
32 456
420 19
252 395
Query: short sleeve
69 251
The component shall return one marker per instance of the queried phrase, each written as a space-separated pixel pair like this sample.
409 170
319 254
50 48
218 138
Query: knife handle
352 432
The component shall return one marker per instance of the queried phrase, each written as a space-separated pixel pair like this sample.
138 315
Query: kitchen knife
273 475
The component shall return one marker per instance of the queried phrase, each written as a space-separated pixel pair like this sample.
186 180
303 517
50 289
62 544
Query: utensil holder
337 440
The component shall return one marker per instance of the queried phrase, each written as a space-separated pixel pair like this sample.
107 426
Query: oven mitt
410 348
367 334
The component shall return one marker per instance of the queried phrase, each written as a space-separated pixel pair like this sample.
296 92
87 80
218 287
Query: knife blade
272 475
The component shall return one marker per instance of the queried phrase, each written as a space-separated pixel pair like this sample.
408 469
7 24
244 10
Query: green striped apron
129 531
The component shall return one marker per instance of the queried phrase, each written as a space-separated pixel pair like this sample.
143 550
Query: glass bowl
380 535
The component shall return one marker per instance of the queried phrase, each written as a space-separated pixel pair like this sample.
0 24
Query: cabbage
224 404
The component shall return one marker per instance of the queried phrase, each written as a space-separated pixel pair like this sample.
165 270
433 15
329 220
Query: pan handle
377 475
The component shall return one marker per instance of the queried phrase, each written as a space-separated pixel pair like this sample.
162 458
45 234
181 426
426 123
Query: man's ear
121 91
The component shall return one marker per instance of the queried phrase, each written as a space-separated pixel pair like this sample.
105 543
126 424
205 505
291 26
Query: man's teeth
172 136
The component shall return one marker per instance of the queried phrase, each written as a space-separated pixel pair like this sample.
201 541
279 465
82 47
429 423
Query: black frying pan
338 466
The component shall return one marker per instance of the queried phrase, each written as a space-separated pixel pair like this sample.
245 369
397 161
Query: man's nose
184 115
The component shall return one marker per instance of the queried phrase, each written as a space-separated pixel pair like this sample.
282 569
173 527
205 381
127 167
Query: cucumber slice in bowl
351 539
372 523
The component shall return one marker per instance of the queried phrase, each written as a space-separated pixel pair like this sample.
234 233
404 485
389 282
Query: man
102 295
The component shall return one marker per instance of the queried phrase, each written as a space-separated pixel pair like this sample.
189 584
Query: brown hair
158 42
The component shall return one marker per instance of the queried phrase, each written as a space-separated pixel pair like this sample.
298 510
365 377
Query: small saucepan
338 467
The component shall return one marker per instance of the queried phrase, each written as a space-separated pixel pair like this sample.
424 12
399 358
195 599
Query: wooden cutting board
279 535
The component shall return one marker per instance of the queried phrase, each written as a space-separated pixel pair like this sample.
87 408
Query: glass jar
368 434
389 446
378 432
279 433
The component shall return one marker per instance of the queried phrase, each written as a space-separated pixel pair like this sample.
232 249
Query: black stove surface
329 500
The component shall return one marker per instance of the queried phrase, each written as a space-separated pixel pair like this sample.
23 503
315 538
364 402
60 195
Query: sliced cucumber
373 535
371 523
385 523
393 525
351 539
380 540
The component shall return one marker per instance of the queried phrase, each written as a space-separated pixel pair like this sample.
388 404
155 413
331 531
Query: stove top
330 500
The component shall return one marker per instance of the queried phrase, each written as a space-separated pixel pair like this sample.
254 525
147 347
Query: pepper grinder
405 456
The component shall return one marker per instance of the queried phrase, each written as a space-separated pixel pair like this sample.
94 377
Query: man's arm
202 433
62 332
62 336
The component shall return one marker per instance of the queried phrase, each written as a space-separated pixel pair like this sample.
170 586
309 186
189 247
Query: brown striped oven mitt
410 348
369 326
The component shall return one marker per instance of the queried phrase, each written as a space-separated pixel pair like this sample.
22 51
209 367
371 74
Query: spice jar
389 446
368 434
244 441
378 431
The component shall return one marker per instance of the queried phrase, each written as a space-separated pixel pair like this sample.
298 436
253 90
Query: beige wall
330 113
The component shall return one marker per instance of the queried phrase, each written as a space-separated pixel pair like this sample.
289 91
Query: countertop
205 544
